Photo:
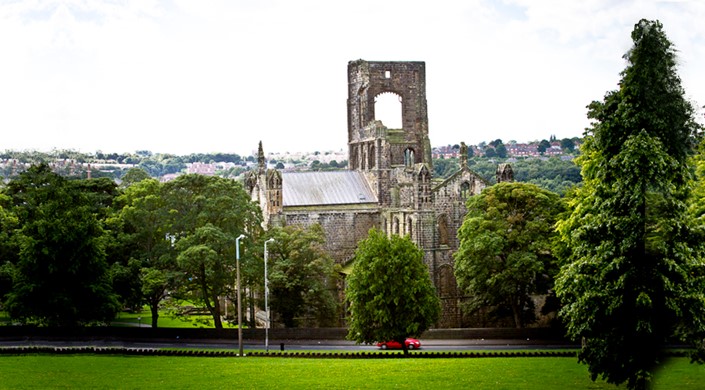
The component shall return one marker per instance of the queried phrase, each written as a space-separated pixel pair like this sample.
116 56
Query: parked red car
410 344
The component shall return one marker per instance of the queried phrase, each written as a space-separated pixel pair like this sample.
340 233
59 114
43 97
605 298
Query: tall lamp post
266 297
239 315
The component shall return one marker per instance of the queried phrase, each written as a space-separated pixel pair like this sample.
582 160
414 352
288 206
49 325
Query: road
294 345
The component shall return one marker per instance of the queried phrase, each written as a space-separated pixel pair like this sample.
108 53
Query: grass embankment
95 371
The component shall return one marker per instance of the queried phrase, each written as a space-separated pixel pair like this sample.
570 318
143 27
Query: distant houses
513 150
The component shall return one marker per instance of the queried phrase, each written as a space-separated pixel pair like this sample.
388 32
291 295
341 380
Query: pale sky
188 76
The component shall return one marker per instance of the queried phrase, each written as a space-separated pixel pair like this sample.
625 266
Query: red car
410 344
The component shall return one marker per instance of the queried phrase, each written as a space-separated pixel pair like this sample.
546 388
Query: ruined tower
373 147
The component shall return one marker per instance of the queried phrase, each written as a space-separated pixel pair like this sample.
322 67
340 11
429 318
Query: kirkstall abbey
388 184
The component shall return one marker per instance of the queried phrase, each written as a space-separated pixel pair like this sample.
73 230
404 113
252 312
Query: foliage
444 167
633 276
568 144
389 291
543 146
505 248
697 201
147 266
205 257
553 174
132 176
61 274
302 277
206 214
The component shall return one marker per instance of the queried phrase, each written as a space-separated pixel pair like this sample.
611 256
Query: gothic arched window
409 157
464 190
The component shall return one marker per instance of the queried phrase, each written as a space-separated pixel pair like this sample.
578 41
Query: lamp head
270 240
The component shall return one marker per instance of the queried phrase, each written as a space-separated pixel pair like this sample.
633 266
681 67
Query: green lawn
145 319
103 372
165 320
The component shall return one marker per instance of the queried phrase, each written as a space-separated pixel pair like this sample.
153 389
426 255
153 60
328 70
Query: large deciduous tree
390 293
207 214
61 275
148 265
8 252
302 276
633 279
505 251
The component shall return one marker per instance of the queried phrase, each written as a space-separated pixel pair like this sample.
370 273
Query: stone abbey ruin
388 184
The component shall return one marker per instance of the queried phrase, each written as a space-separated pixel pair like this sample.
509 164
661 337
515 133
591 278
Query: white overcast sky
186 76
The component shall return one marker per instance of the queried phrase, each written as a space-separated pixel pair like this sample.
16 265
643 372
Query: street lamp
266 297
239 315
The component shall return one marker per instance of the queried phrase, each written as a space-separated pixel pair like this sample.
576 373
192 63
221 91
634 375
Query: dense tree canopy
505 251
207 213
148 265
633 278
302 277
389 291
61 274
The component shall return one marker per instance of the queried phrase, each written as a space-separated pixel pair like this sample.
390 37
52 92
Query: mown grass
4 319
120 372
144 319
165 320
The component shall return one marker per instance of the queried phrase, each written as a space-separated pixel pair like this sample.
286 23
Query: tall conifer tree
632 281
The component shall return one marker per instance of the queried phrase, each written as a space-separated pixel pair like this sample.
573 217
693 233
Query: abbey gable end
389 184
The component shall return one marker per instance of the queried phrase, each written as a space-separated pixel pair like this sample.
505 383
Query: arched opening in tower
388 109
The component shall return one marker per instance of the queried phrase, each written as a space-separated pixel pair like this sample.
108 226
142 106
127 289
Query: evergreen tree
633 278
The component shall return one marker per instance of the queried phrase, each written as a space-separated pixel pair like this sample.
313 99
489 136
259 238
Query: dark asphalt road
275 345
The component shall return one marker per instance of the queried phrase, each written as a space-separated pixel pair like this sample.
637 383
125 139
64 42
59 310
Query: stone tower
373 148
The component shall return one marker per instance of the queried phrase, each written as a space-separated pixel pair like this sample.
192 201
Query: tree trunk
154 308
516 311
216 313
404 347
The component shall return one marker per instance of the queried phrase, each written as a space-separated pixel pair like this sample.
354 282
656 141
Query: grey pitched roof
325 188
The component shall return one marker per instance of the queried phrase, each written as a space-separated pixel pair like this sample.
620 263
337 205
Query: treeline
552 173
75 252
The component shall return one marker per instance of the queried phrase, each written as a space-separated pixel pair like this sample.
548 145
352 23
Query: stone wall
344 228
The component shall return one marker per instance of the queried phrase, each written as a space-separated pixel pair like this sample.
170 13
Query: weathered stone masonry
388 185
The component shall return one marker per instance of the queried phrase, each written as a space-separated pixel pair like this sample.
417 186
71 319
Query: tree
390 293
61 275
568 144
697 201
8 251
302 276
207 213
501 151
505 251
149 264
543 145
134 175
633 278
206 258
